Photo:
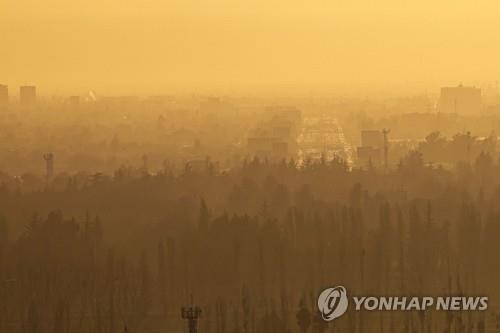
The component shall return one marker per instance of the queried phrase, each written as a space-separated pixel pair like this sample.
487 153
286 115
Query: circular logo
332 303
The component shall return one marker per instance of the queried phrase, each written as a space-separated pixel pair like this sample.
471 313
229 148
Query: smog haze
259 46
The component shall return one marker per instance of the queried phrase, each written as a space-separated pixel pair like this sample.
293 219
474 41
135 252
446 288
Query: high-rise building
27 95
370 152
74 101
4 94
372 138
460 99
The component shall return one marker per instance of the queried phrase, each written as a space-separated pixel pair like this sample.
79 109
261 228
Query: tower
386 148
191 314
49 164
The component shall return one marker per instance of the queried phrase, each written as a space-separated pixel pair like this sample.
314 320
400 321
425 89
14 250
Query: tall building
4 94
74 101
460 99
370 152
372 138
27 95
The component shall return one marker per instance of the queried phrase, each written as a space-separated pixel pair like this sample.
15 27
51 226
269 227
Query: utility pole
49 164
386 131
469 142
191 314
303 316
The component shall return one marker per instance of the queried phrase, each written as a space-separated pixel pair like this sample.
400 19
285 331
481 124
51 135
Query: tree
303 317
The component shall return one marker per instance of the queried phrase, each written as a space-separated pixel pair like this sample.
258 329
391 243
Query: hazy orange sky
160 46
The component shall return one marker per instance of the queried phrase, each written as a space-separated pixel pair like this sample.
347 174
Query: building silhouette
372 138
460 99
74 101
4 94
372 145
27 95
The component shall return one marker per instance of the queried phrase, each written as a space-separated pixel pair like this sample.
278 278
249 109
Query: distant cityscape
278 132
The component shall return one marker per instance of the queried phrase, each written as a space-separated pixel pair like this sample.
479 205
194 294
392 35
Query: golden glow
161 46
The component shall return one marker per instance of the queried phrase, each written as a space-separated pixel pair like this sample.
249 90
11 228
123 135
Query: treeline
253 247
462 147
133 197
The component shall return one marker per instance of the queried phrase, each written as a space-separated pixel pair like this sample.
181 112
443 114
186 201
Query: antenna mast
191 314
386 131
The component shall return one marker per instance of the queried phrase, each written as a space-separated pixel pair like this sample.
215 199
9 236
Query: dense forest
252 246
